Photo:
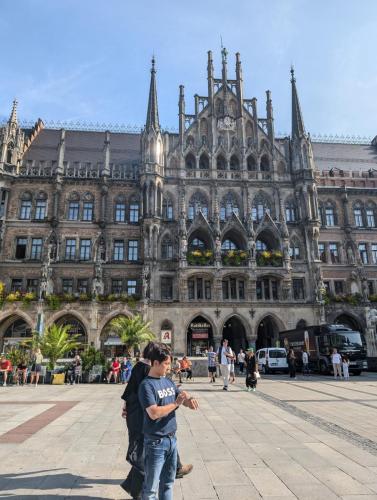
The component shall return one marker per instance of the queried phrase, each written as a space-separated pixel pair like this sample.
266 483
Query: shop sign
201 326
199 335
166 336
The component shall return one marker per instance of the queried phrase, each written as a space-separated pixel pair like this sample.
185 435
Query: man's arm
191 403
155 412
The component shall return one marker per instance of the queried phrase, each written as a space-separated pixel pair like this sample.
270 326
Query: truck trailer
319 342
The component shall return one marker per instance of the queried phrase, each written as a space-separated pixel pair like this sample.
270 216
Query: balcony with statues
233 252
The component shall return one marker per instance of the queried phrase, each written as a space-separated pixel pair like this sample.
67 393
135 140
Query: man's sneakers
183 471
225 388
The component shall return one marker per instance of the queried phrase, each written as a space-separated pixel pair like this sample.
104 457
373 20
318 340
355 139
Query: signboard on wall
166 336
199 335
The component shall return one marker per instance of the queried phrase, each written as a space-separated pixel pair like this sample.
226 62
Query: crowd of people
21 371
340 363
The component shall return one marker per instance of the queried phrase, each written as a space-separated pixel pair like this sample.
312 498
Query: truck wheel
323 370
265 369
356 372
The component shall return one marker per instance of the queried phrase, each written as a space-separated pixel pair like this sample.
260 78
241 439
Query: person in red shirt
5 368
114 370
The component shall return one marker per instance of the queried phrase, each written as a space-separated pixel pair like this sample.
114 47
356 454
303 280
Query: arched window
219 107
234 163
358 214
134 209
167 209
260 246
295 250
10 152
290 211
251 163
190 141
73 206
370 214
204 162
328 214
265 163
120 209
166 248
228 244
228 206
260 207
197 202
197 243
220 163
190 162
25 206
40 206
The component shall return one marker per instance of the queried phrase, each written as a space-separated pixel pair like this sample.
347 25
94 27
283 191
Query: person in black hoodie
133 413
251 370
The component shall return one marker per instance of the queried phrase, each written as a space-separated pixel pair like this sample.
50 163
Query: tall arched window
251 163
234 163
260 207
167 209
134 209
328 214
197 202
370 214
221 163
40 206
190 161
295 249
358 210
290 211
166 248
25 206
204 162
265 163
228 206
120 209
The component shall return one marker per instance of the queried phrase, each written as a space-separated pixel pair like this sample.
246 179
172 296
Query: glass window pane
40 209
120 212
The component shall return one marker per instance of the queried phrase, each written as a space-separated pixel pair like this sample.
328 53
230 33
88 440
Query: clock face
226 123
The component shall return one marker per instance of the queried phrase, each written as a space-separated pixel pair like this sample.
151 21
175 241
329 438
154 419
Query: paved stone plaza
308 439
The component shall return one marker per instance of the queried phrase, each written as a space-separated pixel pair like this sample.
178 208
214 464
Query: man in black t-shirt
159 398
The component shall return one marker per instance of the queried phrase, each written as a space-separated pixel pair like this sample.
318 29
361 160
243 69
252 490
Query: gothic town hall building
219 230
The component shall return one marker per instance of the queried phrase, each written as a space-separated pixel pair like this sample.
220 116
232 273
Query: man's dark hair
148 349
159 353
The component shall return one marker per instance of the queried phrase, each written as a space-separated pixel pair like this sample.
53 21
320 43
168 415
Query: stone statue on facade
146 276
350 255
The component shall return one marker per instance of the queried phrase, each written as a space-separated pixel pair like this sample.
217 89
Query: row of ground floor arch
188 333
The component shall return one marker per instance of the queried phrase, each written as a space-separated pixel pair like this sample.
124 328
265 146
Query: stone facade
221 229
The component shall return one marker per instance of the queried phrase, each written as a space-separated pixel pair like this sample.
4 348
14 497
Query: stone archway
76 327
112 345
199 336
267 332
13 330
349 321
235 332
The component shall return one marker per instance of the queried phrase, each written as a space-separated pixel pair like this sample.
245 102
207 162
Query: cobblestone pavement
311 438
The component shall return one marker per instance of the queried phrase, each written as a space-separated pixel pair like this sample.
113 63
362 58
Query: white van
272 359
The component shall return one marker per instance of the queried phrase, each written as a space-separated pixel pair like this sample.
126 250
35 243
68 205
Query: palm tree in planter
132 331
56 342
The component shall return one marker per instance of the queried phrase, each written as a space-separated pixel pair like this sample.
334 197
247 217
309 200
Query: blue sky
89 60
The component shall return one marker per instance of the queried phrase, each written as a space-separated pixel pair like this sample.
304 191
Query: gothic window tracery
261 205
295 249
251 163
204 162
190 141
120 209
228 206
25 206
370 214
190 162
329 216
265 163
290 210
167 248
358 214
167 208
221 163
234 162
197 202
134 209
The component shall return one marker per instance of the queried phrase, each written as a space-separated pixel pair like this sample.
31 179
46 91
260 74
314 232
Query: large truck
319 342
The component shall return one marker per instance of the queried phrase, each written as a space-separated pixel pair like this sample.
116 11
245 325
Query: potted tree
91 357
55 343
133 331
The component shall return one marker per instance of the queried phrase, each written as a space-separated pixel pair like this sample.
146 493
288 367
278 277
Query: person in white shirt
225 356
241 360
305 363
336 360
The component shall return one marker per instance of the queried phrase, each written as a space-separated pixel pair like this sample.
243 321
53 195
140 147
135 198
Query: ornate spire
13 115
298 127
152 114
224 55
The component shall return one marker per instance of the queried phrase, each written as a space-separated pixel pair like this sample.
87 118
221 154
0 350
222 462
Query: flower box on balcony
272 258
234 258
200 257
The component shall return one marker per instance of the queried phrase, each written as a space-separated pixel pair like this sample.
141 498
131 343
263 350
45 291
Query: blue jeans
160 467
126 374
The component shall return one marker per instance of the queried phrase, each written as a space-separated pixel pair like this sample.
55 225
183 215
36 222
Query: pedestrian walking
305 362
77 363
211 364
241 360
336 360
133 413
225 356
291 358
160 398
345 366
251 370
36 367
232 373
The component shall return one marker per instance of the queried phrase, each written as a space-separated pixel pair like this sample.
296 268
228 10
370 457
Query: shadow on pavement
39 480
50 497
